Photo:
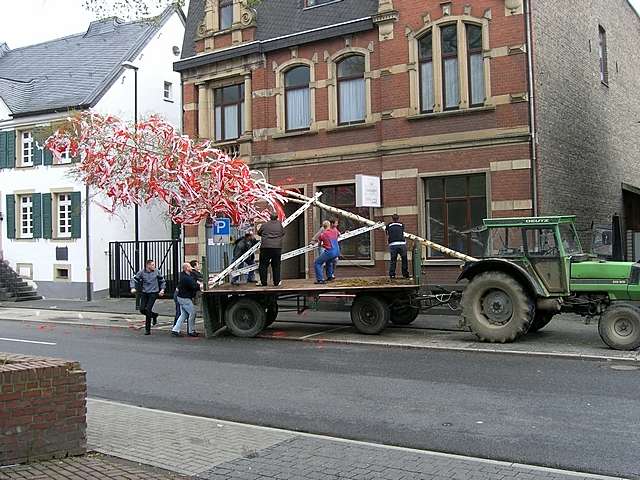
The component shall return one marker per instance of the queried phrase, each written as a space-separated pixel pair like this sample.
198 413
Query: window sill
606 84
355 126
62 240
25 239
451 113
25 166
298 133
169 100
349 263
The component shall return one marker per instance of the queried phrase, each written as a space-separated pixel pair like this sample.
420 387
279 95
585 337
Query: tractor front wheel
496 307
619 327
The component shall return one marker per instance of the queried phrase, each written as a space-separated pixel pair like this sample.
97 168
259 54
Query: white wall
5 113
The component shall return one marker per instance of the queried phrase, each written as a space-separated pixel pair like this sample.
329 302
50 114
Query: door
544 255
294 238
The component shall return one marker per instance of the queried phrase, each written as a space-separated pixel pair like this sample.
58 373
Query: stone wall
589 136
42 408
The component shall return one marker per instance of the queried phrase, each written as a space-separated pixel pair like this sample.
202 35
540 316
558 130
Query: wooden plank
307 286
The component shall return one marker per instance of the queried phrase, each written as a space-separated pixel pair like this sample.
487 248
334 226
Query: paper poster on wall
368 191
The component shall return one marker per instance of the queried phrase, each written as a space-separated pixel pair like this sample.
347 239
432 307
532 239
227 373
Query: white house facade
54 231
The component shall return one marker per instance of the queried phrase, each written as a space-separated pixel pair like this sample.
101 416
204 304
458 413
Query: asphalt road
571 414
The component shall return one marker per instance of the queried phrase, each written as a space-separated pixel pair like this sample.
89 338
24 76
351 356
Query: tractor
535 268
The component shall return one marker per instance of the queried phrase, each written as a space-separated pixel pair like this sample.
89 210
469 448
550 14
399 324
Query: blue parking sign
222 227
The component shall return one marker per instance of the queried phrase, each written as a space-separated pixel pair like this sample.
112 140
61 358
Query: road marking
26 341
320 333
454 456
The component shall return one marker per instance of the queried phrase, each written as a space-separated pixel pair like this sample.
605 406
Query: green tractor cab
534 268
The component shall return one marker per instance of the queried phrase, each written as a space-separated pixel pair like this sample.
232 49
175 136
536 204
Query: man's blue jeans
187 311
327 257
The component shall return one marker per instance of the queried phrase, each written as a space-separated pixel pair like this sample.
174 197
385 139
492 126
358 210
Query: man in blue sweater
150 284
397 246
187 289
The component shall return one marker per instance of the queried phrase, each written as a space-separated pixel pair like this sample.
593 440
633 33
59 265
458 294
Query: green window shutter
46 216
3 149
37 215
76 218
10 216
176 231
11 149
37 142
47 156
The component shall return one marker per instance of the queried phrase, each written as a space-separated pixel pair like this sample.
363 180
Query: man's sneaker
147 332
154 317
319 282
279 284
331 279
392 277
235 284
176 334
193 334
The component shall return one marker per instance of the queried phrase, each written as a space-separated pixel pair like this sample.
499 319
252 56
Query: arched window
475 65
427 97
351 90
450 75
297 98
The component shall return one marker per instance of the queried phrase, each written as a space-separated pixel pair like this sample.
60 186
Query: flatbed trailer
248 309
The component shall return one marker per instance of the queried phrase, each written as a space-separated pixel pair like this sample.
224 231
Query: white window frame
65 158
63 215
25 231
27 161
167 93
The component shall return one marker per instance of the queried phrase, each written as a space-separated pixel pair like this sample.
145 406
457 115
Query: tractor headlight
634 277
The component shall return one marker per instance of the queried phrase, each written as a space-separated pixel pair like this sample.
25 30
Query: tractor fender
471 269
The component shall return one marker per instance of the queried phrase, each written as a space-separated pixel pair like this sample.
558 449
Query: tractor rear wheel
540 320
496 307
619 327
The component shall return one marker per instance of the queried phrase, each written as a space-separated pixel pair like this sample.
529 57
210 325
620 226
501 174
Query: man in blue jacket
397 246
150 284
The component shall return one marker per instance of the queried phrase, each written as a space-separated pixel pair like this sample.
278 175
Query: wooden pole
366 221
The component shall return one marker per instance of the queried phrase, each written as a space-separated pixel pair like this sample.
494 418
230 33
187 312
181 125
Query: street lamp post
131 66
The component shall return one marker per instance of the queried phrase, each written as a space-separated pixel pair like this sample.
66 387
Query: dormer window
225 14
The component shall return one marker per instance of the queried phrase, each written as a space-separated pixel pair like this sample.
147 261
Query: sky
27 22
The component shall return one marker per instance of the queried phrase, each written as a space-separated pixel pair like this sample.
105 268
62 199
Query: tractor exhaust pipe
548 305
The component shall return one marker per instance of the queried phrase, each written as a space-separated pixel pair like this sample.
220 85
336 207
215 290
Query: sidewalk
88 467
214 450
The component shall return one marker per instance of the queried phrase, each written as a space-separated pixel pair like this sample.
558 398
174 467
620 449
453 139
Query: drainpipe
533 138
88 244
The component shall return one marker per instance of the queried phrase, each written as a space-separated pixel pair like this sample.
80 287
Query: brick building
445 101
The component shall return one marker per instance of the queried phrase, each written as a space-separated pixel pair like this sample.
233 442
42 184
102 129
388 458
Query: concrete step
27 298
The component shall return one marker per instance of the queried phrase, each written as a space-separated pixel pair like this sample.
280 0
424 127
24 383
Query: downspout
88 244
533 137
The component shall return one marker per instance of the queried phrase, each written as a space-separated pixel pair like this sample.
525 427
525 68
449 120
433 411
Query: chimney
4 49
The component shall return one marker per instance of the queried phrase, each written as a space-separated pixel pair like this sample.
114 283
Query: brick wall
589 136
42 408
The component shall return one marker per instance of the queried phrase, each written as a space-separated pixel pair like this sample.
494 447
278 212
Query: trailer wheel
245 317
496 307
271 313
370 315
540 320
619 327
404 314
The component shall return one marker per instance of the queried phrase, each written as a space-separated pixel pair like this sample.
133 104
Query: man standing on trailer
397 246
151 284
271 234
331 251
241 246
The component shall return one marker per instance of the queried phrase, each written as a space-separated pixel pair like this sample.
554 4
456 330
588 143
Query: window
602 52
541 242
26 216
297 103
26 149
450 76
455 208
344 197
475 66
229 112
63 217
65 157
61 272
168 91
351 90
225 14
427 97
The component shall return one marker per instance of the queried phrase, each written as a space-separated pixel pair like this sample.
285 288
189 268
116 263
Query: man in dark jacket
271 234
397 246
150 284
187 289
241 247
